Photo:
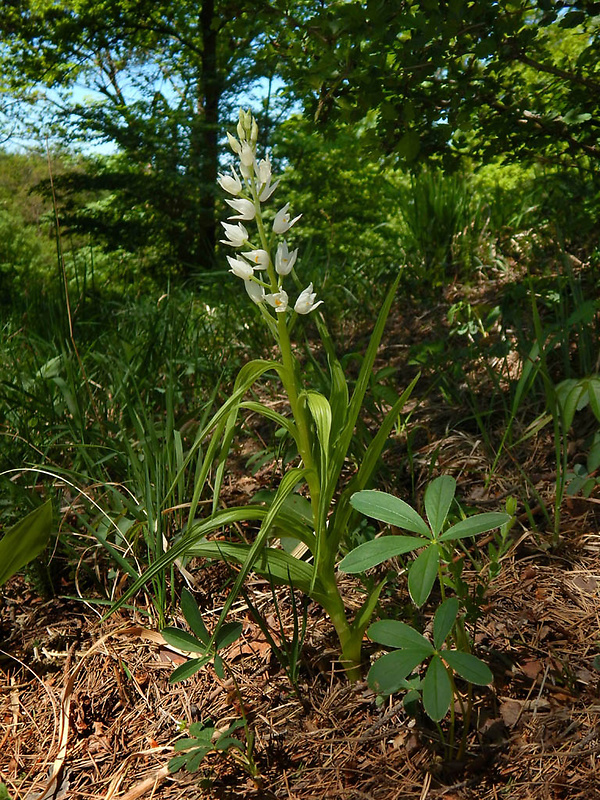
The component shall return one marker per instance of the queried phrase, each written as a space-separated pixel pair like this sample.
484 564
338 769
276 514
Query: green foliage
434 534
390 672
202 642
348 198
24 541
443 223
146 70
204 738
445 80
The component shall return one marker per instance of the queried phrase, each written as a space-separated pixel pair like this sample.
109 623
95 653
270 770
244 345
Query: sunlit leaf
479 523
387 508
370 554
438 498
393 633
469 667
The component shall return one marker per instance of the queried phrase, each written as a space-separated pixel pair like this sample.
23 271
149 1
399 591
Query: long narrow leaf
362 383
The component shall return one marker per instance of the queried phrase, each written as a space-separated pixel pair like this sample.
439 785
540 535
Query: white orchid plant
251 190
309 507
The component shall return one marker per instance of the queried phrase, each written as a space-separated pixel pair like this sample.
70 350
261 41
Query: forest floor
87 711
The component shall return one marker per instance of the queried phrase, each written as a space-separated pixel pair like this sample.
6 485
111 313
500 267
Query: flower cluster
263 275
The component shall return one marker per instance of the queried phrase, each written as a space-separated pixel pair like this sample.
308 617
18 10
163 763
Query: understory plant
320 424
450 651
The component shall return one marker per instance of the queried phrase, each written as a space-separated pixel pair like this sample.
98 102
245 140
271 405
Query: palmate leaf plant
389 673
320 425
204 737
434 536
435 539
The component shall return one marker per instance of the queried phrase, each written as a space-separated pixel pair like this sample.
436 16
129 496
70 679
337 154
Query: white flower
279 301
306 301
282 222
240 268
237 235
245 208
255 291
263 175
231 183
260 258
247 155
234 144
263 170
284 260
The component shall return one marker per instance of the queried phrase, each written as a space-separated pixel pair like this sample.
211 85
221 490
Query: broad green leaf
388 672
480 523
176 763
202 731
437 690
196 757
228 633
422 575
393 633
25 540
183 640
387 508
438 499
469 667
185 744
370 554
443 621
192 615
185 671
229 741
